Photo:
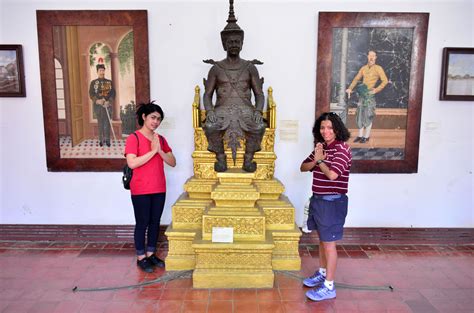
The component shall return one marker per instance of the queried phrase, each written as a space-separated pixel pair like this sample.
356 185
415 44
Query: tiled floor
39 277
90 148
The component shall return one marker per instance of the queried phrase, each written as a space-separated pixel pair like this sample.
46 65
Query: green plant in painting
127 115
125 53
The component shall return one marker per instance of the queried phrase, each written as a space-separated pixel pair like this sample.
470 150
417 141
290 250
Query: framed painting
370 69
12 75
94 70
457 74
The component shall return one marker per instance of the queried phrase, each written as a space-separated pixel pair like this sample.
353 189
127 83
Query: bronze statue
233 116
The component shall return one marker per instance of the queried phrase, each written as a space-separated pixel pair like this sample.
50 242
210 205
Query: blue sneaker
321 293
314 280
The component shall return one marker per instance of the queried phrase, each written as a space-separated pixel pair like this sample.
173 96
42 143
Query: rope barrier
169 276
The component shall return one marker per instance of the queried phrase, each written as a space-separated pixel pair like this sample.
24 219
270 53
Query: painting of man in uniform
370 88
95 89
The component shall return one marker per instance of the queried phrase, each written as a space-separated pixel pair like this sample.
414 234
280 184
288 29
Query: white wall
283 34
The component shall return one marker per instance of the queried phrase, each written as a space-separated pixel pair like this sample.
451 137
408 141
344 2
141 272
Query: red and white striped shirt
339 160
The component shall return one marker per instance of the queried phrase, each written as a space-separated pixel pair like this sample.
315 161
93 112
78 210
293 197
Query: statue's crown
232 27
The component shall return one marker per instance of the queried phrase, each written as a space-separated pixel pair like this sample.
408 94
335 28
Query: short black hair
341 131
148 108
99 66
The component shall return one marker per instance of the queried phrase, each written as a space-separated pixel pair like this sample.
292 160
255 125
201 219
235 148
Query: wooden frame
413 23
48 24
456 75
12 74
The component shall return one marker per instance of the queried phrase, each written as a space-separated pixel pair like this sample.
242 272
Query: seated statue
233 116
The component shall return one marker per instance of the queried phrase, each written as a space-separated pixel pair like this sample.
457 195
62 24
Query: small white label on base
222 234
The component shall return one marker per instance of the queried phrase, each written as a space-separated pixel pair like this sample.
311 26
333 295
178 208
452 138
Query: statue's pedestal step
233 265
269 189
199 188
231 195
187 213
286 256
181 256
279 214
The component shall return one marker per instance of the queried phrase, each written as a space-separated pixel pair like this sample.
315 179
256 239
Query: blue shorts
327 215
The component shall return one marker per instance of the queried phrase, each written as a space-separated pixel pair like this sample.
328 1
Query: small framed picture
12 75
457 74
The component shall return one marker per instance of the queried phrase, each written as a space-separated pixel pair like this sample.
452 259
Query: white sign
288 130
222 234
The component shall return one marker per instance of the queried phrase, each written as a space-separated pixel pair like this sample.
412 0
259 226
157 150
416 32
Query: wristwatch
319 162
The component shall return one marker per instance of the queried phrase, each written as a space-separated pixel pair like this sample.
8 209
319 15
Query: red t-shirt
150 177
339 160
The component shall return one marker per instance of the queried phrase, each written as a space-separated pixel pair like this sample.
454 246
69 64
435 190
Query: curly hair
341 131
148 108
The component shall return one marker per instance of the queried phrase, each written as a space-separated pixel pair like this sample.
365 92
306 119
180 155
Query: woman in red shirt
146 152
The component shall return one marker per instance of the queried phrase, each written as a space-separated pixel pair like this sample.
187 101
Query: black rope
165 278
188 274
341 285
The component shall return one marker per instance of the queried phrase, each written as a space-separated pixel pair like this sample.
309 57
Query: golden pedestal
265 236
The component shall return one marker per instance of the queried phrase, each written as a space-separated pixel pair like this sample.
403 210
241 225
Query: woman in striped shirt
330 163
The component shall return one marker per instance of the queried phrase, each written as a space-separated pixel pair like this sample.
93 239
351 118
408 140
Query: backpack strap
138 141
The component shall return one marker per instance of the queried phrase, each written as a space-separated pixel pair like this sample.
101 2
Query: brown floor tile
245 307
173 294
296 306
95 245
352 247
180 283
89 253
68 306
66 245
169 306
197 295
268 295
271 307
287 282
221 294
357 254
149 294
220 306
128 245
342 254
114 245
370 248
245 295
195 306
292 294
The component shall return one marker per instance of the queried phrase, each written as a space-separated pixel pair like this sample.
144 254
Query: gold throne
252 205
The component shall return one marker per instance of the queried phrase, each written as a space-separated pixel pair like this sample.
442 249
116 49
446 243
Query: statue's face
233 44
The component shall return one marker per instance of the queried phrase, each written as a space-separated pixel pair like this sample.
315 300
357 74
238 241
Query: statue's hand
257 117
211 116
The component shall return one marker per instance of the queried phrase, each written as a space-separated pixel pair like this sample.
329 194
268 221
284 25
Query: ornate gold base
265 236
